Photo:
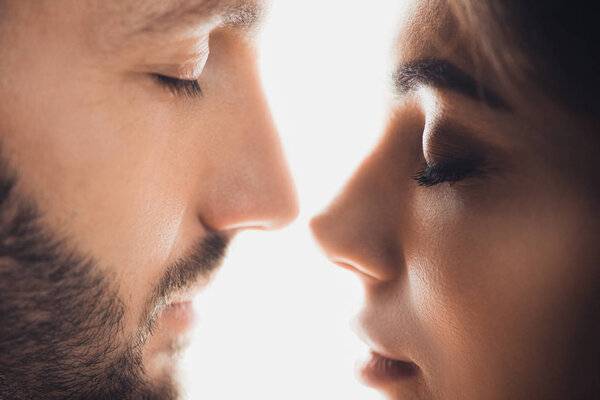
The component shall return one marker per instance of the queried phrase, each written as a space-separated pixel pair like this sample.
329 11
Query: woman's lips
378 370
386 365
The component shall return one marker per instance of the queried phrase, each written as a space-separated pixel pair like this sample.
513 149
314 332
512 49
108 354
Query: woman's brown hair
552 43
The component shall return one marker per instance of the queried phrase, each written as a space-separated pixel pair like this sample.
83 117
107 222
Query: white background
275 323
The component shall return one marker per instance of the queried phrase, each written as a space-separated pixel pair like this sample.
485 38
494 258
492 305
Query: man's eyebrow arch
237 14
444 75
244 16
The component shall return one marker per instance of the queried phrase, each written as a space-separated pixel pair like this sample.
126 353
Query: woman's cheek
494 284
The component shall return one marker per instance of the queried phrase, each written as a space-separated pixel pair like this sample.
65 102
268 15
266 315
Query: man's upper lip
186 295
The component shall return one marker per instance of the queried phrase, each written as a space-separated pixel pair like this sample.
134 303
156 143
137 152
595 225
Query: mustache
204 259
196 268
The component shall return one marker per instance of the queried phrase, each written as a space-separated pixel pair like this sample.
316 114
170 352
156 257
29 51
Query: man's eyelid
190 70
181 62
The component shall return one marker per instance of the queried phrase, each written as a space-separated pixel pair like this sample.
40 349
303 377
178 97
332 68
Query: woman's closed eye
450 171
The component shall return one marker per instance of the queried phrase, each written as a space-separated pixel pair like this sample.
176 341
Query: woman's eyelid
432 175
450 142
450 154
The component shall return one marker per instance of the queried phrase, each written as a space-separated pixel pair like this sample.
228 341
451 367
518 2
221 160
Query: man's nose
254 191
249 185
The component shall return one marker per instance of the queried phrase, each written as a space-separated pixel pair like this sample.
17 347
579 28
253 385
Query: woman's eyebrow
444 75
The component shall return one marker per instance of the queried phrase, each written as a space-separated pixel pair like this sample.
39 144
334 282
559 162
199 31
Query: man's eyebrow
237 14
444 75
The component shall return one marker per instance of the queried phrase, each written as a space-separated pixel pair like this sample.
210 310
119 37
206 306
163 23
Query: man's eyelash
179 87
451 172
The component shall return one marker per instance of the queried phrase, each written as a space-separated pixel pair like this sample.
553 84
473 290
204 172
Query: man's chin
161 371
165 346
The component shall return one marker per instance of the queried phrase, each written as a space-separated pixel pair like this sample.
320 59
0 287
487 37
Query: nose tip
320 226
280 211
353 246
274 202
288 211
261 196
314 225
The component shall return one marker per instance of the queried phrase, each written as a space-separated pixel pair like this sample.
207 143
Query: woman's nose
357 231
365 227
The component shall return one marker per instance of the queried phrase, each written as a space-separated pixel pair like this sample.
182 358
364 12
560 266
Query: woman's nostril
367 273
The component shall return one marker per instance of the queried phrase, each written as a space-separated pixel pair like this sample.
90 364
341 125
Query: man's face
122 181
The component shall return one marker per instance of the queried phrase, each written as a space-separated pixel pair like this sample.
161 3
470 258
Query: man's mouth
183 280
178 316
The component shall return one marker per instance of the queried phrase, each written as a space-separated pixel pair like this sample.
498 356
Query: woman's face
474 227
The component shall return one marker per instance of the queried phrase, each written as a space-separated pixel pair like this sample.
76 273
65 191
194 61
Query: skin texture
126 174
490 284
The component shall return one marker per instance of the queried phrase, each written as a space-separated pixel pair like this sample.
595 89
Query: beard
61 319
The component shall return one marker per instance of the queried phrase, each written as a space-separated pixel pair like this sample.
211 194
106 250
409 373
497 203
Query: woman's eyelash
451 172
179 87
